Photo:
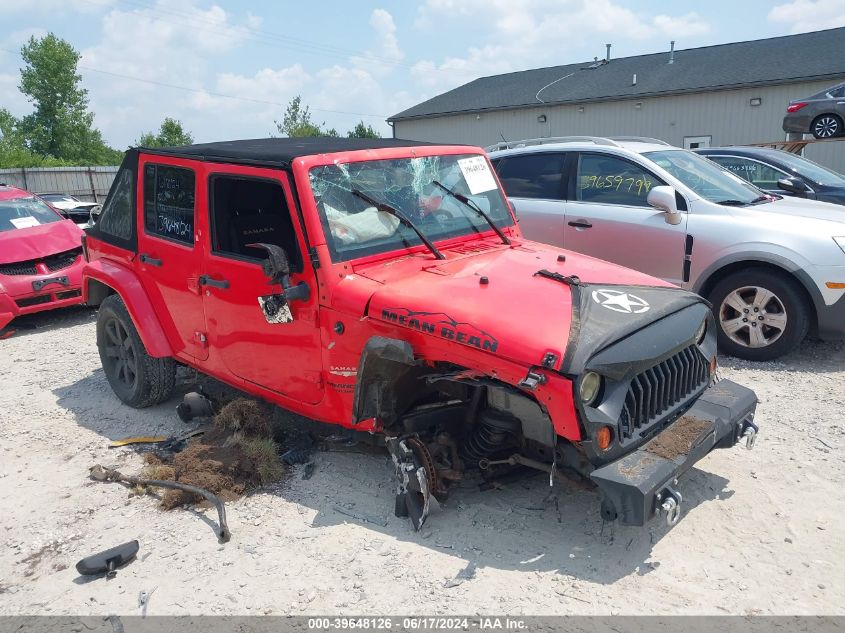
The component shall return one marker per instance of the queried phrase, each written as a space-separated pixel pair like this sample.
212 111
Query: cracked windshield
379 206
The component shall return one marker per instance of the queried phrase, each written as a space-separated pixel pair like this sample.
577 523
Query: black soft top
277 152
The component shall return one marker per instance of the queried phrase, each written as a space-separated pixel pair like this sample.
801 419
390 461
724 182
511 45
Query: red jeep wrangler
384 286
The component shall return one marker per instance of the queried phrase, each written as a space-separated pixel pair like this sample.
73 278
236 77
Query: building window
694 142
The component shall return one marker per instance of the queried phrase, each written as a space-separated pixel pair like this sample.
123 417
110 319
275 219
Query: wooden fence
86 183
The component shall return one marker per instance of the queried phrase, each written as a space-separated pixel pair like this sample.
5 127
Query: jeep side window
248 211
605 179
532 176
117 217
169 202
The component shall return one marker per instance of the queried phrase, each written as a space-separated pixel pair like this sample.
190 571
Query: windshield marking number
477 174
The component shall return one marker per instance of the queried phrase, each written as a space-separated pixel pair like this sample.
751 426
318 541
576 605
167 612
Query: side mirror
94 215
792 185
277 268
663 199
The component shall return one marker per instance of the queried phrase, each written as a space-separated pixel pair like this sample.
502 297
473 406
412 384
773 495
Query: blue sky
147 59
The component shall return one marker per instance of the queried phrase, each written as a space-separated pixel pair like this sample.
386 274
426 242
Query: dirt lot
762 531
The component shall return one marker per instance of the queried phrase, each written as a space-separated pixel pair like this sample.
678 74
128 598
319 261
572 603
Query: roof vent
634 80
672 52
607 57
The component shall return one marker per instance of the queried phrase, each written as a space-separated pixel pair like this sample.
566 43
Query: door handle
580 224
205 280
152 261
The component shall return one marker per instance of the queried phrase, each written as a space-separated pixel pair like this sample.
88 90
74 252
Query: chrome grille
660 389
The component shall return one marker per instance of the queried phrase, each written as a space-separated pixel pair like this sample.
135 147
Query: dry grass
264 454
244 416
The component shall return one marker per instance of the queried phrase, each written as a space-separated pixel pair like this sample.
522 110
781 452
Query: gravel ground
761 533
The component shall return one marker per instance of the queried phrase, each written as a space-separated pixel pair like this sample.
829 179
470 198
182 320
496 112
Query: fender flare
382 361
126 284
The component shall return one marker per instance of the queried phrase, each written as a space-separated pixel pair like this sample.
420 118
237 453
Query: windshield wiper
732 203
386 208
471 204
763 198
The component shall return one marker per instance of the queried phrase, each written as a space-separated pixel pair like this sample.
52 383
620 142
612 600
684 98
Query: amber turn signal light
603 437
835 285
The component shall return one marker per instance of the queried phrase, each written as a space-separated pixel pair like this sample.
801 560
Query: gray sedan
821 115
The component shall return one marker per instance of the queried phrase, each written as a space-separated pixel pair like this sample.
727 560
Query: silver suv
773 268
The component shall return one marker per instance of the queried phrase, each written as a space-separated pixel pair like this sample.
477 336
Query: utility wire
265 37
208 92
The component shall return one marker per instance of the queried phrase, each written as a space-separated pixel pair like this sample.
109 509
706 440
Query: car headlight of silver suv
840 241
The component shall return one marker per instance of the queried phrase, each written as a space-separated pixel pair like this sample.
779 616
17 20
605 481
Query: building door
246 206
608 216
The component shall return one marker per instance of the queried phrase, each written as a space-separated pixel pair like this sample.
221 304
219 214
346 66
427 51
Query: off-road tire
787 293
835 123
153 379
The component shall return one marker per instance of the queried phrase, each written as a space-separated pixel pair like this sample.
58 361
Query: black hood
603 314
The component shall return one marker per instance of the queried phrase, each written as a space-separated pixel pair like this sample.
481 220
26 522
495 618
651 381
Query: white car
80 211
773 267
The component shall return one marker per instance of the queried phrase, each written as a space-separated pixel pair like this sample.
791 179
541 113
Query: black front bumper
639 485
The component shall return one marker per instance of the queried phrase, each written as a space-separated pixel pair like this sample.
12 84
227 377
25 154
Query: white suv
773 268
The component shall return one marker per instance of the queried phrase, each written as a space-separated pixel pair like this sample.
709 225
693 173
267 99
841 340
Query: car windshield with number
22 213
347 195
707 179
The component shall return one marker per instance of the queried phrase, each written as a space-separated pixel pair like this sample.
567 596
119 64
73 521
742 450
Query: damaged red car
40 256
384 286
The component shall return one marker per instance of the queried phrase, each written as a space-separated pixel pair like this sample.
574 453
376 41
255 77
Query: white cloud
174 43
384 58
688 25
533 33
809 15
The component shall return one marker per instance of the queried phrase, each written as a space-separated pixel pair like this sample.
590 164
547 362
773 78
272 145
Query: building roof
275 151
777 60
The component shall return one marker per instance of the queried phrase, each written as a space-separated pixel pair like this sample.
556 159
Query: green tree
363 131
297 122
13 151
170 133
61 126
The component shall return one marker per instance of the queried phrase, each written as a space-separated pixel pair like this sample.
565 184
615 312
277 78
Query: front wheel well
98 291
707 287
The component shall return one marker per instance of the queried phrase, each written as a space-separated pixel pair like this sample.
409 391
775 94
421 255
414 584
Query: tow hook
670 503
749 431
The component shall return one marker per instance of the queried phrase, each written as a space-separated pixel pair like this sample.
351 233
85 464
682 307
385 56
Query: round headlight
589 387
701 332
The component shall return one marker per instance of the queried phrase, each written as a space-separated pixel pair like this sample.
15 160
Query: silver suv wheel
752 316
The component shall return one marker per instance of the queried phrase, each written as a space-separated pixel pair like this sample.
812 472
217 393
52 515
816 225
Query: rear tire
137 378
761 314
827 126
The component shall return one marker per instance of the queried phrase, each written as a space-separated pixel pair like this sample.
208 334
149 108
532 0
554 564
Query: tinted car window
247 210
760 174
610 180
117 216
811 170
532 176
169 202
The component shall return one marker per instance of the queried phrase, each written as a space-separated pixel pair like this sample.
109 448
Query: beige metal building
730 94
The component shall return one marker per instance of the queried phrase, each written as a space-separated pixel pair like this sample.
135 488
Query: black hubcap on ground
121 353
